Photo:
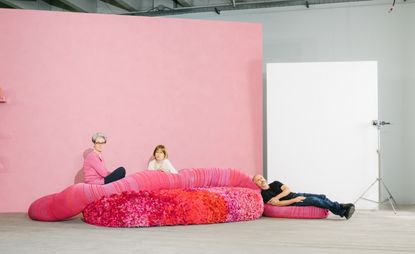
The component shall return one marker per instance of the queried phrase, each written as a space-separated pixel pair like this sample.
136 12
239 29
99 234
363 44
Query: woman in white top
160 161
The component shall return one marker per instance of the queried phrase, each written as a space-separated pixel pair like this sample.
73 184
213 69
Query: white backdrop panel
320 137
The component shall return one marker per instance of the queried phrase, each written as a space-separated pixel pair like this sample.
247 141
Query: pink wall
195 86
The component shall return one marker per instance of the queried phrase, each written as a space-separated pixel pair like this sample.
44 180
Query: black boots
349 210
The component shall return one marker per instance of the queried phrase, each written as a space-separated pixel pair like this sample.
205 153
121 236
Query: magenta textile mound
75 198
175 207
296 212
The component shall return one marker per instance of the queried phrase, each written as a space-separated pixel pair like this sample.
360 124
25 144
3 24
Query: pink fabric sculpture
175 207
295 212
75 198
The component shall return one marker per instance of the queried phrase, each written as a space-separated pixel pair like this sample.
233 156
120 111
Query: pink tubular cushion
296 212
75 198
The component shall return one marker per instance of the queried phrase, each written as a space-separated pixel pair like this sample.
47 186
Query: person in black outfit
278 194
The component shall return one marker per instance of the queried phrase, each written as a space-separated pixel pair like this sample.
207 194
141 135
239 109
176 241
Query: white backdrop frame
320 137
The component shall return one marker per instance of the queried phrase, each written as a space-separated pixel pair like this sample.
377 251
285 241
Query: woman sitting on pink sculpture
161 161
94 168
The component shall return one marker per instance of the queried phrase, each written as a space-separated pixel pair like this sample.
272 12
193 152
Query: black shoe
345 206
349 212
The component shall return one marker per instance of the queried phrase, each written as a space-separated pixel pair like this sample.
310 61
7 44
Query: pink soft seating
74 199
295 212
175 207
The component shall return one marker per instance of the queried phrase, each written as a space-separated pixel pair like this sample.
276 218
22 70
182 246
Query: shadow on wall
79 177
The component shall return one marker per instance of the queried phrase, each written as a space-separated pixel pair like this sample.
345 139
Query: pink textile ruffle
175 207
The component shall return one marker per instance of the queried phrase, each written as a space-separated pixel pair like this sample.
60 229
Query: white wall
354 32
408 106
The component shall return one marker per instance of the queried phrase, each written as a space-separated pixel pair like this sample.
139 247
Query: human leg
321 201
310 195
115 175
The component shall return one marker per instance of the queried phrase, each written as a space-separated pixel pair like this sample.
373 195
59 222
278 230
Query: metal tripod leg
390 197
364 193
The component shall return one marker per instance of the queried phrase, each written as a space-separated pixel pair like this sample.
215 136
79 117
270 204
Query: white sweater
164 164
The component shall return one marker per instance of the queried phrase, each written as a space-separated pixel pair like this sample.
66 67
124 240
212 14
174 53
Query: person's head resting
260 181
160 153
99 139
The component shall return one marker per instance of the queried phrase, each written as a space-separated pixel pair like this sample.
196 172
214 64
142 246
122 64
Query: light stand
379 180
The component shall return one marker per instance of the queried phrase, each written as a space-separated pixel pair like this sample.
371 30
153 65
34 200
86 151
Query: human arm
151 165
284 192
94 168
169 167
277 202
98 164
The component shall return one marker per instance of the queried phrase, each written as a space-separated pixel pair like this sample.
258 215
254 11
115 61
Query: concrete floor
366 232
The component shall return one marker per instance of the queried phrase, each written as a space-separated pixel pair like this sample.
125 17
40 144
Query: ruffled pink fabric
175 207
75 198
296 212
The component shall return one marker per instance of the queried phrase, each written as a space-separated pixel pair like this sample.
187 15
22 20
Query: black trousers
115 175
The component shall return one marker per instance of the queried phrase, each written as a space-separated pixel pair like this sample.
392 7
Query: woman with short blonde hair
161 161
94 168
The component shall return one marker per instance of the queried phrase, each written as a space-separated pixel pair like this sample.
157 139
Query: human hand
274 201
299 199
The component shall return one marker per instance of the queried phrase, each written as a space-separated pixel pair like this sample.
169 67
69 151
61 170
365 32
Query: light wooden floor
366 232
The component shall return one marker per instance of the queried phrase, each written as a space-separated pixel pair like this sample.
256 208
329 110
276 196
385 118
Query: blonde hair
163 149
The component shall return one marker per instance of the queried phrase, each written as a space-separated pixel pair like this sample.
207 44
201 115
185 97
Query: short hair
163 149
98 135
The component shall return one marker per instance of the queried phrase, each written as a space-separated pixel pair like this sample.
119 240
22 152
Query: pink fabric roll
296 212
75 198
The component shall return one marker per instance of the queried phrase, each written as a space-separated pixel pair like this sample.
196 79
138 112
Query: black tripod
379 180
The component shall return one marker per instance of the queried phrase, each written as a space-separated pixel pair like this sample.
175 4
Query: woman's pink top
94 169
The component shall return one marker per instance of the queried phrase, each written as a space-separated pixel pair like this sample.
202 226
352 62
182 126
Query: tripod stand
379 180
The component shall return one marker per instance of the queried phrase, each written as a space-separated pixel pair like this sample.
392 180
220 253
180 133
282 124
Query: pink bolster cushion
75 198
175 207
296 212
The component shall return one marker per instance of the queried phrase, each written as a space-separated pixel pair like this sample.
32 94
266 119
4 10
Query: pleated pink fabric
75 198
296 212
